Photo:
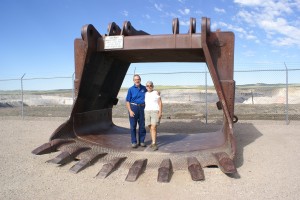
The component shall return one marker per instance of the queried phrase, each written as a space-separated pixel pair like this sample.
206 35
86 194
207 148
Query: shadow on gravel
245 134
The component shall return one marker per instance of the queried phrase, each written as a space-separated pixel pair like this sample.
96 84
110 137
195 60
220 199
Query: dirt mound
10 104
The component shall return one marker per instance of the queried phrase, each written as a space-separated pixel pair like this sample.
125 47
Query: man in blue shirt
135 103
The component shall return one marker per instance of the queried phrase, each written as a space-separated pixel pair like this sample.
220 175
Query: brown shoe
154 147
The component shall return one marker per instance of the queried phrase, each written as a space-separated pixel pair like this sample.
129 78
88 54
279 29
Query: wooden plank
136 170
165 171
195 169
110 167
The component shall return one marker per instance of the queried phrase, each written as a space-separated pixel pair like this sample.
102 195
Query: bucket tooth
195 169
225 163
136 170
67 156
86 161
50 146
62 158
165 171
109 167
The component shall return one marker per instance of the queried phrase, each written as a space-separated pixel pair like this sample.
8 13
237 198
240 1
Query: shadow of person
187 126
182 135
177 131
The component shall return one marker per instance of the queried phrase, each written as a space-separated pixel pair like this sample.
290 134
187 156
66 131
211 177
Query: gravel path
268 161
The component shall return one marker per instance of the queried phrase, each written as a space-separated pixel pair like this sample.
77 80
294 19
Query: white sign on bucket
113 42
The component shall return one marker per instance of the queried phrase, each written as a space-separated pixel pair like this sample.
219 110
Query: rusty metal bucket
101 63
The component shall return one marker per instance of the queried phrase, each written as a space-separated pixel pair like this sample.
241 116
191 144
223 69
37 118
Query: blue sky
37 35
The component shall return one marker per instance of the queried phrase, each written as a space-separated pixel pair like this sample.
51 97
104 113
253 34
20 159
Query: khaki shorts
151 117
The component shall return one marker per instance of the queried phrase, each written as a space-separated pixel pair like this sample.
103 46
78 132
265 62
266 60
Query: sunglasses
149 85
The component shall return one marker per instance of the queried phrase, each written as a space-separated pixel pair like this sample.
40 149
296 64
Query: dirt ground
267 161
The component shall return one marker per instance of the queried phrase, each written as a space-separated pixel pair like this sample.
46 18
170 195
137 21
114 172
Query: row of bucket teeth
165 170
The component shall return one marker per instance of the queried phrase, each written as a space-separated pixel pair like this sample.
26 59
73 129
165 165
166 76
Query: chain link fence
262 93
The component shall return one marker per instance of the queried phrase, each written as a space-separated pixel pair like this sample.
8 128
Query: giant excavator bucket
101 63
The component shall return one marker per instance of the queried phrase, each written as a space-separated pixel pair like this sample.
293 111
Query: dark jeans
138 118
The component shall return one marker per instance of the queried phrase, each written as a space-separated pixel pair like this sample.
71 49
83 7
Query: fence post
22 105
286 95
206 112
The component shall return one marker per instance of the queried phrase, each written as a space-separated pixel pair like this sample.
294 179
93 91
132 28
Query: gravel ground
267 161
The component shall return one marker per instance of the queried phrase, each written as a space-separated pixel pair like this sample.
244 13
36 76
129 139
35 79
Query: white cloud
147 16
233 28
242 33
173 15
158 6
248 53
275 51
246 16
214 26
284 41
249 2
184 23
297 4
219 10
125 13
250 37
274 18
181 1
186 11
198 12
271 4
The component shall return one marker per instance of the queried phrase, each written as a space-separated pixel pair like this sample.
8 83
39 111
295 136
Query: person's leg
153 136
154 121
149 126
141 121
153 133
133 124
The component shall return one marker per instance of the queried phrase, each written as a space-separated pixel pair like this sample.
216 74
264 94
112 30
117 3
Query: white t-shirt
151 100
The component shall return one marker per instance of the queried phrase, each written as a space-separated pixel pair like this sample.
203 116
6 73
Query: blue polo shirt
136 95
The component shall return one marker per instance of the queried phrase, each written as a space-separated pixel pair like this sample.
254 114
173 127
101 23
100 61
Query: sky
37 36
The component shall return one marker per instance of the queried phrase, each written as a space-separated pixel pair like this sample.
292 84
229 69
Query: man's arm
128 97
131 113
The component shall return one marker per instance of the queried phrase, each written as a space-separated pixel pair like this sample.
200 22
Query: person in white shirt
153 112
